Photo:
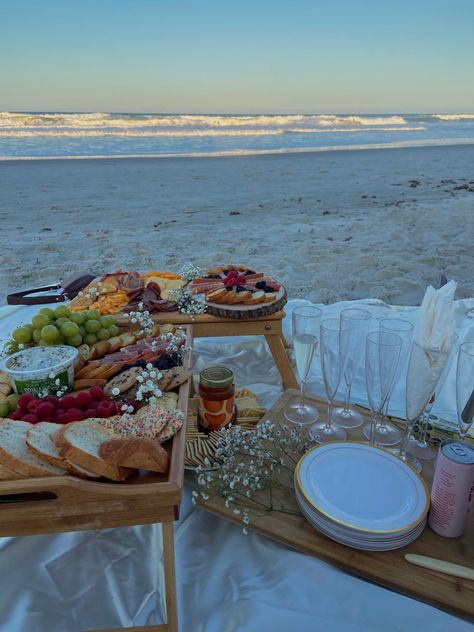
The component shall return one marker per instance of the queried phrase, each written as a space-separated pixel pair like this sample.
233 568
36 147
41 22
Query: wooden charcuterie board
388 569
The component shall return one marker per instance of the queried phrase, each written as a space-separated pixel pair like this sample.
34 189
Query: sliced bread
15 455
137 452
80 443
40 440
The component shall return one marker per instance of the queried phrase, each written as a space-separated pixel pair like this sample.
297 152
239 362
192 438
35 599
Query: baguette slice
80 442
15 455
137 452
40 440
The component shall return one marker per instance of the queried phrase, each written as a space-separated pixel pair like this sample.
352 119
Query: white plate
362 487
319 520
366 545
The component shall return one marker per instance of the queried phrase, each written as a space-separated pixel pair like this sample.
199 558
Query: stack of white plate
361 496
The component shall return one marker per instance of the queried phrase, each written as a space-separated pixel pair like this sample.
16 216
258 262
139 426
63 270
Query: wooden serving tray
66 503
389 569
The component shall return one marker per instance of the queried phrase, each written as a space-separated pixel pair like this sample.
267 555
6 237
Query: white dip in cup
41 370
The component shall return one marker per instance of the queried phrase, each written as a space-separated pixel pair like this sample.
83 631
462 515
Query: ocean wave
406 144
189 133
454 117
100 120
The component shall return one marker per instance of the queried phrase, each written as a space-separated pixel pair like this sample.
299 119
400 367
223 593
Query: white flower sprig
91 294
175 342
252 464
189 272
148 388
188 303
143 318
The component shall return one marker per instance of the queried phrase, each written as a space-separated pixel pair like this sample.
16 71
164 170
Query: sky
237 56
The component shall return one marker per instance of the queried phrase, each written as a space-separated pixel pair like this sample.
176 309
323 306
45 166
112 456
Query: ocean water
68 135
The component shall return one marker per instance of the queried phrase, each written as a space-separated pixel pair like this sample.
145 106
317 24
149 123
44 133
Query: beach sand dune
331 226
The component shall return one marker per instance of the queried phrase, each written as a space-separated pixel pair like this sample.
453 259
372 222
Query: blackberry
213 276
260 285
229 288
267 289
240 288
247 272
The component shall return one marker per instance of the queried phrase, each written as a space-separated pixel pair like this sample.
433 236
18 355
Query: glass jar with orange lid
216 398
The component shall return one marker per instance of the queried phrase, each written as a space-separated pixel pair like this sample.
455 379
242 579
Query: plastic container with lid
41 370
216 398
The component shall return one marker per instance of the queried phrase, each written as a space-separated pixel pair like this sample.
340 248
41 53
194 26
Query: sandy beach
330 225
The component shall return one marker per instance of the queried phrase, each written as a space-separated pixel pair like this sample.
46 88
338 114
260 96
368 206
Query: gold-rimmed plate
361 487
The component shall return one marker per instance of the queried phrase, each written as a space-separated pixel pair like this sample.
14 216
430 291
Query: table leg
170 577
278 350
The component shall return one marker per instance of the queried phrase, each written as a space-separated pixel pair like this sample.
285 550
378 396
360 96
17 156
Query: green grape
69 329
12 401
47 311
78 318
106 321
39 321
30 327
92 326
114 330
36 335
75 340
4 409
90 339
82 330
93 314
103 334
60 322
50 334
11 347
45 343
62 311
22 335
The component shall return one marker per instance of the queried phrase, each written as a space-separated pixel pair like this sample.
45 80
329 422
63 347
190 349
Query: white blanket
226 582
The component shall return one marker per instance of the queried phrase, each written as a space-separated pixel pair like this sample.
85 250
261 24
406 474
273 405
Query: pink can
452 489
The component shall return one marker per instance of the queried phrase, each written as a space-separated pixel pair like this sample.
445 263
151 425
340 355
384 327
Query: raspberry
45 410
25 399
106 409
33 405
90 412
18 414
61 417
97 393
67 402
32 419
51 399
83 400
74 414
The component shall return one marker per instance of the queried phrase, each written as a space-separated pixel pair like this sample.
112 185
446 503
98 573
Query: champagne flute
424 370
465 388
381 362
334 346
387 433
305 325
345 416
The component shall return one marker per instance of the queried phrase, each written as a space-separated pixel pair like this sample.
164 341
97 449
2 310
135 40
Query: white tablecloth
226 582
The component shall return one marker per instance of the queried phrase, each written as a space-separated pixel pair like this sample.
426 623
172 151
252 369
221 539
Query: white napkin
435 326
434 332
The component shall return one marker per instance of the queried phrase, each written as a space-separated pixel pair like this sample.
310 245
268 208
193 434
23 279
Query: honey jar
216 398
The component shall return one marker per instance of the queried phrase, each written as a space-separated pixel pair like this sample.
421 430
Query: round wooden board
242 312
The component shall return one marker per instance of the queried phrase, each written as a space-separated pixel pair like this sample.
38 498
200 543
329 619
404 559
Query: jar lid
216 377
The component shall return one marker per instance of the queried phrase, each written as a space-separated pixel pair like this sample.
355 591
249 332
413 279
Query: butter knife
441 566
